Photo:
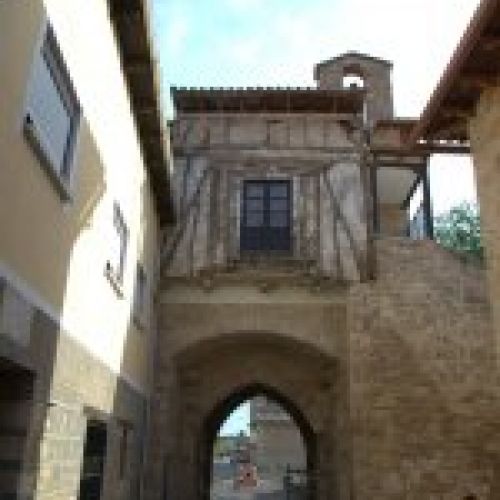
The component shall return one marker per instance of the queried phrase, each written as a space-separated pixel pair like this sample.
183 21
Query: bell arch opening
353 77
297 482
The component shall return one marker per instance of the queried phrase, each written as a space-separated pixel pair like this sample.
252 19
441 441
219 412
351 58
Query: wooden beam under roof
120 8
270 100
130 19
490 42
436 147
478 80
137 63
477 54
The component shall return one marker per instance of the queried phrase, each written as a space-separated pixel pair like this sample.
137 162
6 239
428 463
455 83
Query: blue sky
238 420
277 42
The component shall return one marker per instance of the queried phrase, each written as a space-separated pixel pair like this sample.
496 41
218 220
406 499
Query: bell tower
355 69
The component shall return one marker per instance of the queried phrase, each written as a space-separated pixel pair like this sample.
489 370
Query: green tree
459 230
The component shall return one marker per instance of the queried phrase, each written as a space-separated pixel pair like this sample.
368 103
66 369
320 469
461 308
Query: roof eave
455 66
140 72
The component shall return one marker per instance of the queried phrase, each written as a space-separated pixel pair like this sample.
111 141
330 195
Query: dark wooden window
265 224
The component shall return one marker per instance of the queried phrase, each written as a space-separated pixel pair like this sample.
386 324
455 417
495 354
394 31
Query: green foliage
224 445
459 230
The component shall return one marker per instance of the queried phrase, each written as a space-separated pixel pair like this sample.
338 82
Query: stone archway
214 421
214 375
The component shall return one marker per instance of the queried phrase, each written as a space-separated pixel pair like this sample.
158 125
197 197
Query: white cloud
417 35
178 31
452 181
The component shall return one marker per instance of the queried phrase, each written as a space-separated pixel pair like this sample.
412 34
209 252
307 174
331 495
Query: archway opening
259 447
353 77
353 82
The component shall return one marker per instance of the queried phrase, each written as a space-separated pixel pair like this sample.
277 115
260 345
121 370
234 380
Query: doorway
16 403
94 456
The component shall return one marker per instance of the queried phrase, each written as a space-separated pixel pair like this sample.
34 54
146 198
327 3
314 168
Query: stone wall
423 389
278 445
486 155
395 377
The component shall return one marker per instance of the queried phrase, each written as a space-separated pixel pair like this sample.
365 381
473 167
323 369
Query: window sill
60 184
116 283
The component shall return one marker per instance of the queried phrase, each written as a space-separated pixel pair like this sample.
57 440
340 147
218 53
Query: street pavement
265 490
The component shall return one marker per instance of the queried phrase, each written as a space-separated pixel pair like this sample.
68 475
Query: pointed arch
224 407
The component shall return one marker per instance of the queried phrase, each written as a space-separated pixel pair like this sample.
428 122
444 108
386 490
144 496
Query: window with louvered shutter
52 112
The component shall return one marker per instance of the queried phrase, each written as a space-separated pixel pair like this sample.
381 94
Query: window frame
266 237
49 54
115 271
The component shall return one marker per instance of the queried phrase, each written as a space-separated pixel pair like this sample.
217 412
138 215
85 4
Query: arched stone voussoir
217 374
254 340
185 327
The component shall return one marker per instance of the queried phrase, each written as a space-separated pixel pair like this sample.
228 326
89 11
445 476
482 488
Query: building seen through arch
268 460
279 444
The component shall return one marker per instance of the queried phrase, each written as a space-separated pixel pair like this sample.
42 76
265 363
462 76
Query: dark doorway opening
94 456
16 403
261 463
266 216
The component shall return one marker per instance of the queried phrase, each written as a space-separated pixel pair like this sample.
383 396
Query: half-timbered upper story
308 175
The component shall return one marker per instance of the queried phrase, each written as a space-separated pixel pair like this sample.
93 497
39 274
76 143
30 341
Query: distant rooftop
351 55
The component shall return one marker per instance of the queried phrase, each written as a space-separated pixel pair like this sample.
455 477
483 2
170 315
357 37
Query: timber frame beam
474 66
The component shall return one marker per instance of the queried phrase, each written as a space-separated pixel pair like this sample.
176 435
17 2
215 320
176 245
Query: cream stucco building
83 161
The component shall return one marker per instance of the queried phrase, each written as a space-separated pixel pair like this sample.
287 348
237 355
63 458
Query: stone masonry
380 347
393 376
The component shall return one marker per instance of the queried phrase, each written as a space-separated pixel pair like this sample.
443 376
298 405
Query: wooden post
317 217
429 225
304 131
368 204
213 218
288 120
374 195
337 257
225 204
